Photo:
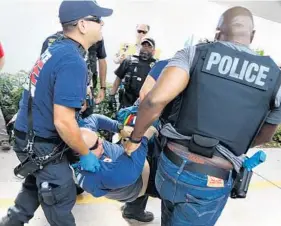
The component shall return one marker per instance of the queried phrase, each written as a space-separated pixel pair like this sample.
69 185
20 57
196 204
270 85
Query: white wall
25 24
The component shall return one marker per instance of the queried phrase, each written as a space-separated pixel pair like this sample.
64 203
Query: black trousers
136 206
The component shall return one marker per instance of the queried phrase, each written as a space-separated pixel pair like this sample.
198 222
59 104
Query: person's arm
152 77
147 86
271 123
2 57
97 122
101 55
120 73
115 86
169 85
68 129
119 58
102 72
265 134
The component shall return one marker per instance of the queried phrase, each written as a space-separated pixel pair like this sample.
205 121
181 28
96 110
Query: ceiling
269 10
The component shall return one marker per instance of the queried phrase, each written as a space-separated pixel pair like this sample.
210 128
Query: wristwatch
103 87
120 127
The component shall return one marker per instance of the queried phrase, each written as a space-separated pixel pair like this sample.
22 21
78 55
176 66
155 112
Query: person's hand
89 92
100 96
84 107
130 147
150 132
121 58
126 131
90 162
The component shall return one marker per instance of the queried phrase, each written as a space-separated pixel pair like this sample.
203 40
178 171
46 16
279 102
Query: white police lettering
226 65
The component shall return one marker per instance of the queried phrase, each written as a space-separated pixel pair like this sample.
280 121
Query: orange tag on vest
215 182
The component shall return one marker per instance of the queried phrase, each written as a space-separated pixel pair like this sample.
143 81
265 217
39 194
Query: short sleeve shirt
58 77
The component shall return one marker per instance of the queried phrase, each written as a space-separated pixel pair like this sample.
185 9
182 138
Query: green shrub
10 93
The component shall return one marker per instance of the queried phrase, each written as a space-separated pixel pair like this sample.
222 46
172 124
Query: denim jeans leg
188 199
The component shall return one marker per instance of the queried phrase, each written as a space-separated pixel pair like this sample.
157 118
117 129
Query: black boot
144 216
7 221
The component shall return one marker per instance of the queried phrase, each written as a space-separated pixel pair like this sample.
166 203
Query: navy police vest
228 97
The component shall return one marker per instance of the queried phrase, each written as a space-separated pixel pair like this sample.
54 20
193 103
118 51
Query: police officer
133 71
57 88
225 99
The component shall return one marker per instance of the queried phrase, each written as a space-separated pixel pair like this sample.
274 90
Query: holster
241 183
203 146
26 167
31 164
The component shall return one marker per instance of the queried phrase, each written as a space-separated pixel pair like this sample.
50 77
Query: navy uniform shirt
58 77
157 69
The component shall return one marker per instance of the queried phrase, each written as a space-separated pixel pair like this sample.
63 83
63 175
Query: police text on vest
236 68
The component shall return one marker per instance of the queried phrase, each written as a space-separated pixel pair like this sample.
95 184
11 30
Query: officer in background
225 100
128 49
95 53
133 72
56 90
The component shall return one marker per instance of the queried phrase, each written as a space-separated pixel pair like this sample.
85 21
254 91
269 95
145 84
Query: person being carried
114 161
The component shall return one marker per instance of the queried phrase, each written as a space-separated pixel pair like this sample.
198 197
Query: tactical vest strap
276 89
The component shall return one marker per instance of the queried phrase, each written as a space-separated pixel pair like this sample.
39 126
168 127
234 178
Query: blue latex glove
89 162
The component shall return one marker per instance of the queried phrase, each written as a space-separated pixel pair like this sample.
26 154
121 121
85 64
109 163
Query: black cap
148 40
74 10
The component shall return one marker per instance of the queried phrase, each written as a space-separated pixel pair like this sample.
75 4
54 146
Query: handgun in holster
243 178
241 183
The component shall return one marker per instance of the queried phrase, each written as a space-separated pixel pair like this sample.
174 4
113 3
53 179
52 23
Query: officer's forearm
102 72
67 127
115 86
265 134
148 112
70 133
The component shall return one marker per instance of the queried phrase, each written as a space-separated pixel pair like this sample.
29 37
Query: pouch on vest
136 84
127 81
204 146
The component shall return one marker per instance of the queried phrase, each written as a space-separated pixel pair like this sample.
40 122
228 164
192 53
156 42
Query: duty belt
52 140
199 164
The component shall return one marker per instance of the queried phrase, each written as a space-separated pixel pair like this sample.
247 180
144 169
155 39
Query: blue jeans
186 198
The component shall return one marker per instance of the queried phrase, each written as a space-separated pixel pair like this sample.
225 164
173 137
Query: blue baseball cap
74 10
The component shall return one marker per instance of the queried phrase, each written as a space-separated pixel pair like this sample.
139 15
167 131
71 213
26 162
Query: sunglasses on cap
141 31
95 146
